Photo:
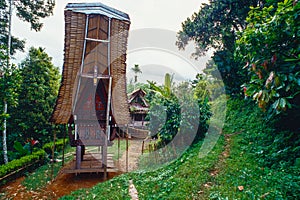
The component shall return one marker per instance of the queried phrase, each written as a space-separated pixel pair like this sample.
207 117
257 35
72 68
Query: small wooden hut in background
92 98
139 107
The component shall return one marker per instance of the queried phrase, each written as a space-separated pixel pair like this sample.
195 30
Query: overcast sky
163 16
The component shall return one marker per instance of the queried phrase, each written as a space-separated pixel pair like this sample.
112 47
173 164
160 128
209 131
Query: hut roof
75 22
97 8
139 93
136 92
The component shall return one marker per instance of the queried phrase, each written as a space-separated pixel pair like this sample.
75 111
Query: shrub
59 144
24 161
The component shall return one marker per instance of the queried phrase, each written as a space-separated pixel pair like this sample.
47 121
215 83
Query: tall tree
40 82
216 26
136 69
9 85
29 11
165 90
164 124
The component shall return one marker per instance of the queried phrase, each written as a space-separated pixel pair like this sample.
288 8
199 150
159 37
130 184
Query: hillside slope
240 166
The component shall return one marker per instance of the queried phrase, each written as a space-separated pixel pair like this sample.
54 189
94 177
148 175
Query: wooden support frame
95 77
89 48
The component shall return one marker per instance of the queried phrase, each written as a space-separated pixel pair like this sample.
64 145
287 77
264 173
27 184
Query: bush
29 159
24 161
59 144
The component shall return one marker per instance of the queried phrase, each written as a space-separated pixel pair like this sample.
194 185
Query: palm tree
166 90
136 69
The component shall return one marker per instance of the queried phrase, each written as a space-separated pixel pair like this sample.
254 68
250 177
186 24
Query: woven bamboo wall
74 40
119 35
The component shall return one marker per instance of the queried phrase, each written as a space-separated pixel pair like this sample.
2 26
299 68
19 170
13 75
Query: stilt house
139 107
92 98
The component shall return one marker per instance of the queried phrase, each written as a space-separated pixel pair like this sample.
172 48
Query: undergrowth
261 163
44 174
178 180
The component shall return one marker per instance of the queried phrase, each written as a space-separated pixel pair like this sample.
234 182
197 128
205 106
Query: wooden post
104 160
118 147
174 148
64 142
78 157
151 156
53 148
143 147
127 150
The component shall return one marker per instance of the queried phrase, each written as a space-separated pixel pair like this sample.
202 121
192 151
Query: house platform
91 163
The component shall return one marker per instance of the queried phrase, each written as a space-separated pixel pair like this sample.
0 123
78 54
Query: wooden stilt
64 143
174 148
118 146
105 160
155 151
53 149
78 157
127 150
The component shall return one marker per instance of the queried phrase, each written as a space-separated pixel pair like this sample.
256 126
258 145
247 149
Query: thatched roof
137 102
75 22
138 93
99 9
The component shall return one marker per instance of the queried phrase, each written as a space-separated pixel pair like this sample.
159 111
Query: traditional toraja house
138 105
92 97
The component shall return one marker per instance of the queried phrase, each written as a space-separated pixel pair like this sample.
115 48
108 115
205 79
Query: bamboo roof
75 22
137 107
138 93
97 8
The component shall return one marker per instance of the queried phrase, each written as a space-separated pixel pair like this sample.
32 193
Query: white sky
155 14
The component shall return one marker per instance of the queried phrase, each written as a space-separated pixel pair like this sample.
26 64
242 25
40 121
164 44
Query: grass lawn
41 176
232 170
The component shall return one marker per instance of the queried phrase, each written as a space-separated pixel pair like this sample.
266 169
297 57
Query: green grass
41 176
114 149
245 139
188 173
244 167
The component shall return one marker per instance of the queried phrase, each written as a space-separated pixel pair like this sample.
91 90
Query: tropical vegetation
232 132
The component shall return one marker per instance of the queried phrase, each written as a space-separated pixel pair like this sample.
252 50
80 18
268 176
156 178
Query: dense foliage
22 162
9 85
215 26
164 112
37 156
270 47
31 12
177 110
40 81
236 161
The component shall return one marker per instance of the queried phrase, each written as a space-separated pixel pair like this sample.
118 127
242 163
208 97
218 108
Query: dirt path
63 184
134 151
221 161
66 183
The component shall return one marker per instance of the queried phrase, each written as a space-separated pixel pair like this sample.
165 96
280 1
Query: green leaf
282 102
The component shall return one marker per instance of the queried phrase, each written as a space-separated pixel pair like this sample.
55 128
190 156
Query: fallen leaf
241 188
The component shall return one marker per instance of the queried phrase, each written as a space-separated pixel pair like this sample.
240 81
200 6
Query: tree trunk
5 103
135 78
4 134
